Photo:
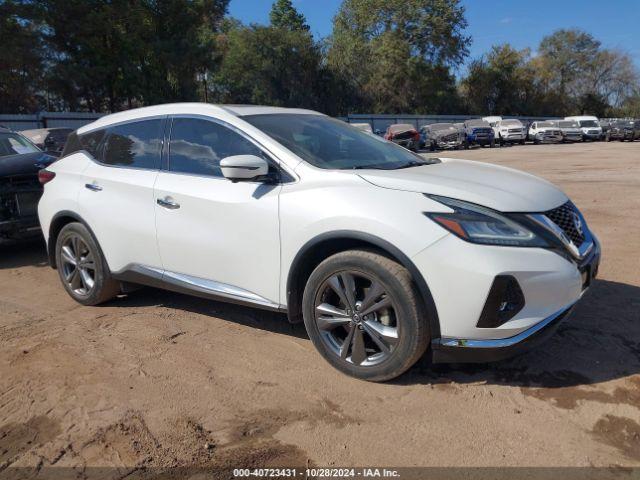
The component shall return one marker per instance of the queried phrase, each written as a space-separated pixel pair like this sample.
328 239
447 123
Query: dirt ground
159 379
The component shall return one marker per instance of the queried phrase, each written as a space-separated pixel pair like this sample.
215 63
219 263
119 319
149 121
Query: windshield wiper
414 163
369 167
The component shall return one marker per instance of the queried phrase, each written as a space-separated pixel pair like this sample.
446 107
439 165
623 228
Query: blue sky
616 23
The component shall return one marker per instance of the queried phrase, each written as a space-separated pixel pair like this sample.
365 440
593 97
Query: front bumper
479 351
460 286
408 143
448 144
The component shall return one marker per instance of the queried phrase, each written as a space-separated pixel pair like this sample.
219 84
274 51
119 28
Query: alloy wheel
78 265
356 318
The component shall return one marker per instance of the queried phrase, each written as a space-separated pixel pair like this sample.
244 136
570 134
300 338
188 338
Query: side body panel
119 208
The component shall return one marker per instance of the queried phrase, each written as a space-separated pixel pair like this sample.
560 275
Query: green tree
273 66
284 15
21 62
500 82
385 49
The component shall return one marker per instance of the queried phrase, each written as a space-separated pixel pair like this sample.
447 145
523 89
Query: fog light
504 301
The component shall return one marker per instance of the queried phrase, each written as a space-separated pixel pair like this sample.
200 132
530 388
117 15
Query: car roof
581 117
206 109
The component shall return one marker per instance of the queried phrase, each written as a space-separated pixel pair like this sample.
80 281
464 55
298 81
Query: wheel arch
323 246
58 222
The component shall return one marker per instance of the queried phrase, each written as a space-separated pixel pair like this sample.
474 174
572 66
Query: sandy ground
158 379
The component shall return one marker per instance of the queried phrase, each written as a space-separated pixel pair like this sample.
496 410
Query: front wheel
363 313
82 268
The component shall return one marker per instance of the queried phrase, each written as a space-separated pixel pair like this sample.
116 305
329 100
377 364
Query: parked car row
492 131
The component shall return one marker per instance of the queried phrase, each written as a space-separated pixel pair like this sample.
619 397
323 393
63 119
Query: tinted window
14 144
136 144
197 146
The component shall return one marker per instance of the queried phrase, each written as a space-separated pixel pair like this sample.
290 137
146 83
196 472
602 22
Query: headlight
477 224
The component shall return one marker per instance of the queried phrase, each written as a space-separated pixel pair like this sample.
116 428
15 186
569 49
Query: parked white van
590 126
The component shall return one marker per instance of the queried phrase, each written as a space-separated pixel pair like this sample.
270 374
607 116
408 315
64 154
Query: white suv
383 253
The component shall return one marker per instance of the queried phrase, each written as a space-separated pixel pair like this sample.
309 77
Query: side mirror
238 168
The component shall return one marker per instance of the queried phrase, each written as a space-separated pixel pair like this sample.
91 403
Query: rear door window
134 144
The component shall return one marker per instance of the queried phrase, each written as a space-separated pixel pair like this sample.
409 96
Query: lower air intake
504 301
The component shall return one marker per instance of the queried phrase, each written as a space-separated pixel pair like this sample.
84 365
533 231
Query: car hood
500 188
24 164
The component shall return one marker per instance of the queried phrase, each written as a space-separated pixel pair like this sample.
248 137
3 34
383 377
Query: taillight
416 136
45 176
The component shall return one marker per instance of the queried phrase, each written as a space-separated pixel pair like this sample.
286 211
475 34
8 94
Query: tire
404 317
492 143
607 138
75 243
466 145
522 142
432 147
536 141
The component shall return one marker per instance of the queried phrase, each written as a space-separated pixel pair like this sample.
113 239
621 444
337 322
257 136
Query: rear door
117 196
215 235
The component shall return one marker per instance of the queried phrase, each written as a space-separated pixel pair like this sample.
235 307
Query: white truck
590 126
507 130
545 132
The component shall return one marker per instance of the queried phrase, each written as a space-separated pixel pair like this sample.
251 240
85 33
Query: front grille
482 131
452 137
515 130
565 217
593 132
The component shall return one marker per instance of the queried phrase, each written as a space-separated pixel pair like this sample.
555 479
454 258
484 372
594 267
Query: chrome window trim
117 124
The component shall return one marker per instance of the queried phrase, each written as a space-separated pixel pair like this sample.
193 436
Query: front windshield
588 123
546 124
512 123
568 124
331 144
14 144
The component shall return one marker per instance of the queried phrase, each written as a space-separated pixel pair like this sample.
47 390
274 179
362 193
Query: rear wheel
82 268
363 314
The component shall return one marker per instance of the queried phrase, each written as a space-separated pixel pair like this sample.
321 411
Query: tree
21 62
284 15
500 82
385 48
106 55
273 66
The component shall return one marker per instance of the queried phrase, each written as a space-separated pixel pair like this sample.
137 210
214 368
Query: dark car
405 135
440 136
624 130
20 189
606 126
51 140
478 132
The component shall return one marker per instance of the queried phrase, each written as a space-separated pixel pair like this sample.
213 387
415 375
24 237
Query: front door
218 236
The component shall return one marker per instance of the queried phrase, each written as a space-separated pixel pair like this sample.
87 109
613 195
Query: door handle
93 187
167 202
